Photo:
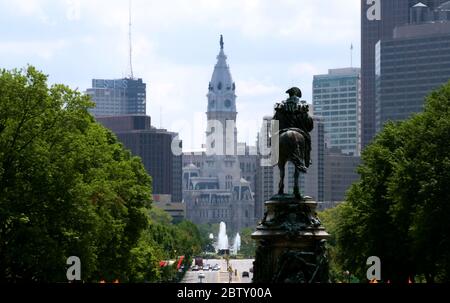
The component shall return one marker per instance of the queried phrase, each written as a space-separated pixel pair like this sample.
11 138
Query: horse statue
294 145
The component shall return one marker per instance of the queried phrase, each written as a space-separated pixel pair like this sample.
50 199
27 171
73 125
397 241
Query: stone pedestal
290 243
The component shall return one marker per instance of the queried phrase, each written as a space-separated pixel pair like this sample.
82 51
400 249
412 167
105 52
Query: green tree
248 245
188 238
400 210
205 231
67 187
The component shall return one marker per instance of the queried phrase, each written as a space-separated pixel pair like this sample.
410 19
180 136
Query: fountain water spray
236 244
223 244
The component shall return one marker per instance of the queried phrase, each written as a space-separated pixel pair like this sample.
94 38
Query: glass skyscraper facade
118 97
154 147
337 98
378 20
410 65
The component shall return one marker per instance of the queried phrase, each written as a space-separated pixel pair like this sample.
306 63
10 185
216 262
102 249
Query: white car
216 267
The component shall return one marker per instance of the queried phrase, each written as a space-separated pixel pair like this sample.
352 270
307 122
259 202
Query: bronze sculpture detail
295 124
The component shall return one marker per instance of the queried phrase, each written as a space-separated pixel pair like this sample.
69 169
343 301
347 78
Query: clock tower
221 130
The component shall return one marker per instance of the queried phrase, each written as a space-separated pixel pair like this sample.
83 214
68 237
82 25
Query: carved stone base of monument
290 243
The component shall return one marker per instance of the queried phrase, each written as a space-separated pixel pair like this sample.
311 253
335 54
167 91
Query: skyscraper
337 98
340 174
378 20
154 147
412 64
118 97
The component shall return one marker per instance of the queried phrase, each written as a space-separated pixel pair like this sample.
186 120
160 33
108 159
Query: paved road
221 276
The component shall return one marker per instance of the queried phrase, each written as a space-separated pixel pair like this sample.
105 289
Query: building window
228 182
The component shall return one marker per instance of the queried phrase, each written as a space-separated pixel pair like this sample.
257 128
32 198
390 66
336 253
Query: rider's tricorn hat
295 91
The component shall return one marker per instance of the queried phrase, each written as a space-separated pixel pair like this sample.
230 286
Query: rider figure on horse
293 115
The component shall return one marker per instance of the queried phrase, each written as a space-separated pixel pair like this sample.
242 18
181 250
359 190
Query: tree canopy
69 188
400 209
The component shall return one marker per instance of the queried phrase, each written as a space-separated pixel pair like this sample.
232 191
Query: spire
130 41
221 87
221 75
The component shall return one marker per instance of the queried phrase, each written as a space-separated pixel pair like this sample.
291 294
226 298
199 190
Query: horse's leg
296 187
281 166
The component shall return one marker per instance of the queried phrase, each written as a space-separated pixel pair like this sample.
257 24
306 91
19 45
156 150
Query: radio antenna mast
129 40
351 55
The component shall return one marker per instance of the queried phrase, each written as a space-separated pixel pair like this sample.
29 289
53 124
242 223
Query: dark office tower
118 97
378 20
154 147
410 65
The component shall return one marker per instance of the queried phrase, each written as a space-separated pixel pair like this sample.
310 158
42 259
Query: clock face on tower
227 103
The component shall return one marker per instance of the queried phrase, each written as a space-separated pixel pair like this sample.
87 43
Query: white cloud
30 8
307 20
304 69
178 86
73 12
42 49
253 87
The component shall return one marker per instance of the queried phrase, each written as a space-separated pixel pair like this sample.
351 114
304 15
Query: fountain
222 245
236 244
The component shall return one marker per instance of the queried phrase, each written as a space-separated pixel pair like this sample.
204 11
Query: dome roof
420 4
221 95
221 78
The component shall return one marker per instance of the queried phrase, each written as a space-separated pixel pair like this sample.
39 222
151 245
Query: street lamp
201 276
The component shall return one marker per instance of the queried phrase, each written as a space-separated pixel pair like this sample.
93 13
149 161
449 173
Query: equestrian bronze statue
295 124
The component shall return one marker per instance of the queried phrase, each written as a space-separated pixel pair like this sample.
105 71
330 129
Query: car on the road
195 268
245 274
206 267
216 267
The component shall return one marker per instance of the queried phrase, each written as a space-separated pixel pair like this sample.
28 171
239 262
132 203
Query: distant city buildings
175 209
120 105
264 179
154 146
214 184
411 64
340 174
118 97
378 20
337 99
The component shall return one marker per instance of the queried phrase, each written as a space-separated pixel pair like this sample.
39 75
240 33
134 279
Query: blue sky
271 46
